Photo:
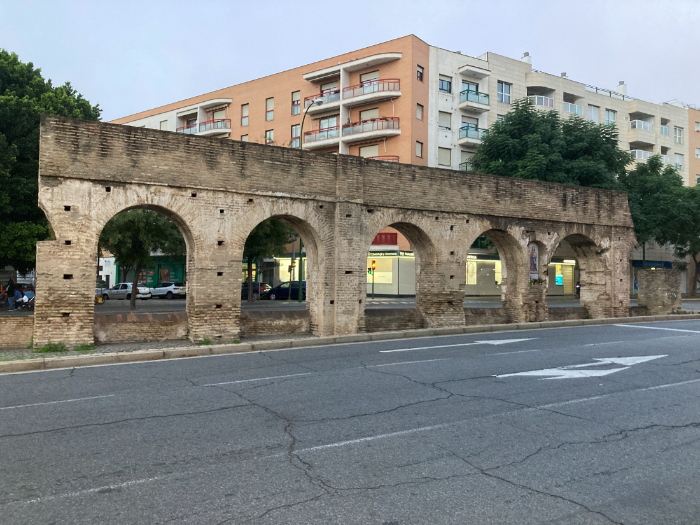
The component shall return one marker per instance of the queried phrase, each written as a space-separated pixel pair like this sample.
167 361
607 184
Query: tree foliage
533 144
132 236
24 95
268 239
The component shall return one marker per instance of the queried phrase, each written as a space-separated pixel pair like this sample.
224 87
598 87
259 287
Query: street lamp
316 102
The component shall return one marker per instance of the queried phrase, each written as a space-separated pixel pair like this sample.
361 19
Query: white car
169 290
123 291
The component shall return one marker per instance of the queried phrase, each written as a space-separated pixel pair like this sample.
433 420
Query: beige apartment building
410 102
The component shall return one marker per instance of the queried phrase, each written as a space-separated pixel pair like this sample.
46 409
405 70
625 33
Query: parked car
259 289
286 291
123 291
169 290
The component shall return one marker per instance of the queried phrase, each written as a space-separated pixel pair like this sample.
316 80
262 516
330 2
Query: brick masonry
16 330
659 291
217 191
136 327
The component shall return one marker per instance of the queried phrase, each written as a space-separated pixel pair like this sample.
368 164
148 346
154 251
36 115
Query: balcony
190 129
372 91
573 108
641 133
539 100
470 135
474 101
215 127
321 138
385 158
464 166
640 124
641 155
330 98
371 128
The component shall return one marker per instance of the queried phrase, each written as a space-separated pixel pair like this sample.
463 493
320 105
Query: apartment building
694 144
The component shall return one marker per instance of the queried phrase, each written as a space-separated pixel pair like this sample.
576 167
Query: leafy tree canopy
24 95
268 239
533 144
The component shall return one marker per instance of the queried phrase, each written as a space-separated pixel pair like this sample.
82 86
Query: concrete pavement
404 431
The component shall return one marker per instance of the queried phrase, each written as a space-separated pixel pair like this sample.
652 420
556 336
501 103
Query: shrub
205 342
52 347
84 348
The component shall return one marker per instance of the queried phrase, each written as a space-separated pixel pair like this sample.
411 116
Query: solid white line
608 343
410 362
425 348
258 379
656 328
517 352
55 402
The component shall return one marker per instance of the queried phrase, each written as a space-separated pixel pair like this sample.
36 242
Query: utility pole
374 267
301 269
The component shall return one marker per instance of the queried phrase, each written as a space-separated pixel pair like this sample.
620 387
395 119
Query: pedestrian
11 293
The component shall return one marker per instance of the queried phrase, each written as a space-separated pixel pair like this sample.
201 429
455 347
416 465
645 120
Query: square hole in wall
65 314
250 201
108 189
221 210
452 276
66 208
219 274
348 215
347 272
321 206
452 253
67 275
218 306
194 195
370 211
68 243
467 221
452 227
332 302
220 243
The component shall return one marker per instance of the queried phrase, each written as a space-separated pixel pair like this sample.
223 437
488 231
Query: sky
128 56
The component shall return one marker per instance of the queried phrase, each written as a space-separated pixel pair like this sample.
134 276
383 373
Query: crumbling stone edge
53 363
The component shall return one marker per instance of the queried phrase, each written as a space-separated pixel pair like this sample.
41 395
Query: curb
53 363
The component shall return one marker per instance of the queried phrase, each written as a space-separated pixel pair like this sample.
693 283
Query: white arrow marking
570 372
492 342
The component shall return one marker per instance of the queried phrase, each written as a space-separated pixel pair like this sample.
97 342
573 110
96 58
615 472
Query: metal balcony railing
469 95
640 124
464 166
190 129
332 95
539 100
373 124
573 108
385 158
470 131
639 154
223 124
372 86
321 134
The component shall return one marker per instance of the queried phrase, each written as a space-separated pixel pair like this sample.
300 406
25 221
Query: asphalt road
418 431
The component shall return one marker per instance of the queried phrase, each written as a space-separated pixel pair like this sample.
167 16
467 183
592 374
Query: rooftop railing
223 124
640 124
539 100
573 108
639 154
321 134
373 124
189 129
469 95
385 158
372 86
332 95
470 131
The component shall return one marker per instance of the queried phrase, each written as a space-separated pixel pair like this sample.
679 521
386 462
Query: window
270 109
244 115
369 113
295 136
369 151
610 116
244 138
679 161
444 157
330 86
470 121
697 180
191 122
697 153
369 77
328 122
445 120
697 126
593 113
678 135
164 125
269 137
296 102
419 149
504 92
469 86
419 112
419 73
445 84
664 130
500 118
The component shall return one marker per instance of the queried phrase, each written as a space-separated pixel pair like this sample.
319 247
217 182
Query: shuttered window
369 151
369 113
164 125
444 156
330 86
296 102
368 77
220 114
445 120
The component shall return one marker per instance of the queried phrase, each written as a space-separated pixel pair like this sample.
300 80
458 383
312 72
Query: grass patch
84 348
31 343
51 347
205 342
236 341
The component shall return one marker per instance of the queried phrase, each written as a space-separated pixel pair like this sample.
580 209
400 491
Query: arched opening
144 258
281 279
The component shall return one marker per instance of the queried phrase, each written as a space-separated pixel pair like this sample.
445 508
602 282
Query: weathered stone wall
479 316
392 319
137 327
275 322
16 330
659 290
217 191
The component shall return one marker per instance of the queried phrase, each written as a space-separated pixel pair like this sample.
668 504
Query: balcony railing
372 86
464 166
573 108
190 129
469 95
385 158
321 134
224 124
641 154
332 95
539 100
470 131
373 124
679 166
664 130
640 124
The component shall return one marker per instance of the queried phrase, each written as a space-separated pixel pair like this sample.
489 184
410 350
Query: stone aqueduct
217 191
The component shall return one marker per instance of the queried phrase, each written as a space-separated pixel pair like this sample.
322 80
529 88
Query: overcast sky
130 56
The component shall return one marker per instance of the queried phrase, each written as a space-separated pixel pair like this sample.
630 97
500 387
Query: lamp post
301 270
316 102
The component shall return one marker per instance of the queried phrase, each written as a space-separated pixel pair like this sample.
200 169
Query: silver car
123 291
169 290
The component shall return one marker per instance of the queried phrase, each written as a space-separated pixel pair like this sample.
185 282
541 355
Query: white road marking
258 379
409 362
656 328
516 352
570 372
55 402
491 342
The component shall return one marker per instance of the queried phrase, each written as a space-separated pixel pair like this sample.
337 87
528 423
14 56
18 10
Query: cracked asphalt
352 433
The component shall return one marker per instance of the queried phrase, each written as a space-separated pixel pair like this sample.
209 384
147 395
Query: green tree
132 236
24 95
533 144
268 239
